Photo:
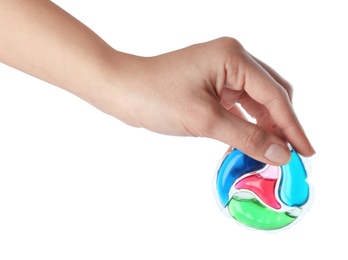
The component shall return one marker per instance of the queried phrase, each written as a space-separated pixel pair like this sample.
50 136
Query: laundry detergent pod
262 196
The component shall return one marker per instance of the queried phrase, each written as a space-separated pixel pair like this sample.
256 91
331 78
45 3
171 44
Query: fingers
259 84
250 138
275 75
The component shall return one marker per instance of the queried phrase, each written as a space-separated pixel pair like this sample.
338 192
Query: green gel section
252 213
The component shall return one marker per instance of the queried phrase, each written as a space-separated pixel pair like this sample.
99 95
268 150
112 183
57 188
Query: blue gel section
293 189
234 166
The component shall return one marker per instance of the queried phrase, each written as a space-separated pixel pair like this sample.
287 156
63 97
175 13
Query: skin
193 91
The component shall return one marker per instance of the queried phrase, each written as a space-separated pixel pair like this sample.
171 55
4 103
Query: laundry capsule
261 196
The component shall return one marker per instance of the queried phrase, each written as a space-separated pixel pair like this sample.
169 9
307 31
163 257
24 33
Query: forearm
39 38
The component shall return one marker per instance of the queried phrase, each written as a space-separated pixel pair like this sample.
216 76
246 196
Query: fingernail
278 154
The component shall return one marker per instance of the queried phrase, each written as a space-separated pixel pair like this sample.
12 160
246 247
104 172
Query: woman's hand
195 91
189 92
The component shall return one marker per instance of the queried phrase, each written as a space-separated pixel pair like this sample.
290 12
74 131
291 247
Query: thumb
251 139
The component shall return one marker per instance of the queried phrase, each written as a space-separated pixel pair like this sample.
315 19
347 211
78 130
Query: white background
78 184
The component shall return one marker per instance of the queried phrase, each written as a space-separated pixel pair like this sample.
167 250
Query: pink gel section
271 172
263 185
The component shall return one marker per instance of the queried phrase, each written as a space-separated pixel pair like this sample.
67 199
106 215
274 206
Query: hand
189 92
195 91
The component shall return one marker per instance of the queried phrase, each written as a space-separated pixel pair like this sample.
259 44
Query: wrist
115 85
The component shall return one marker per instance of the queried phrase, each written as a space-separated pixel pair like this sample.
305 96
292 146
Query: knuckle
254 138
230 42
229 47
